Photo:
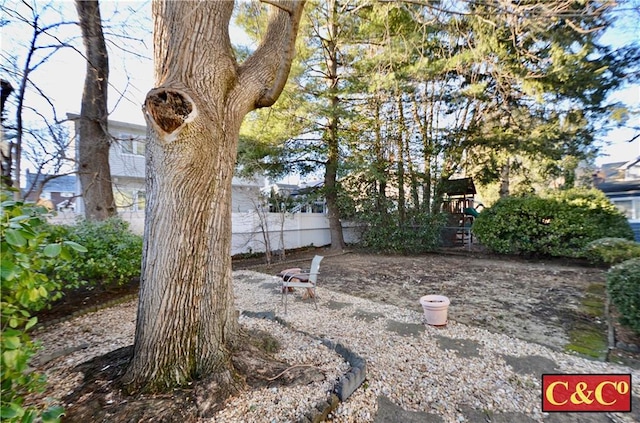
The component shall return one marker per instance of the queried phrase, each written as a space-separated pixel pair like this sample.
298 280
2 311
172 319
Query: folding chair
295 278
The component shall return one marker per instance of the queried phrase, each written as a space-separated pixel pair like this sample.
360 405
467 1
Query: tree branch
270 64
279 5
271 95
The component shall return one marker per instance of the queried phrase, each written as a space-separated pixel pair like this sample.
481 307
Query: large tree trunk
505 179
187 323
7 147
400 163
379 164
93 137
333 156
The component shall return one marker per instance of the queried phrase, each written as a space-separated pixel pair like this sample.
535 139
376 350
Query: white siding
127 165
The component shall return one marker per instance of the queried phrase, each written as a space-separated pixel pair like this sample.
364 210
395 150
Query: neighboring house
620 171
621 184
305 198
278 196
127 162
249 226
308 197
57 193
245 194
280 189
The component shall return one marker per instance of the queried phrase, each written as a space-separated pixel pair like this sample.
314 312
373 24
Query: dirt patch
559 304
86 299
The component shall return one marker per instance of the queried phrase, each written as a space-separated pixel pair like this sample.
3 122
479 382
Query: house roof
279 187
627 187
611 170
462 186
61 183
615 170
630 163
116 124
308 188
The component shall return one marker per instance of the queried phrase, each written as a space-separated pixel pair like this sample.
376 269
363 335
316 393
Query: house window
142 200
317 207
629 207
130 200
124 200
132 144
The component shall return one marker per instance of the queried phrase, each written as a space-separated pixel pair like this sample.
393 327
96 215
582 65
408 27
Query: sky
131 77
619 148
626 30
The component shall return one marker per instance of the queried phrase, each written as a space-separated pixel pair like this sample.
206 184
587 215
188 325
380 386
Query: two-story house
127 163
621 184
249 225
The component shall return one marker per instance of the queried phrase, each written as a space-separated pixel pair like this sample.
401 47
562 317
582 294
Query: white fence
286 231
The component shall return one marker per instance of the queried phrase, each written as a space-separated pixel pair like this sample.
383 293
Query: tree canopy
513 95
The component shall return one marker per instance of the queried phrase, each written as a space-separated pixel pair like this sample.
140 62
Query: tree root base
101 398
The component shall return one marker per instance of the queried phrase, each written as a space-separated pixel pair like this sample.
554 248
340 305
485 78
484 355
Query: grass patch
593 307
597 289
588 337
588 341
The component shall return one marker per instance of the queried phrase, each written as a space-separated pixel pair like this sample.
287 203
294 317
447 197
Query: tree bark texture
505 172
400 162
187 323
380 163
331 136
5 152
94 140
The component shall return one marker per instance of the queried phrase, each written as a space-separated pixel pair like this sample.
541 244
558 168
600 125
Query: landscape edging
346 384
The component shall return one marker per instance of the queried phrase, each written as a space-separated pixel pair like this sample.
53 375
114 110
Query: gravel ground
418 367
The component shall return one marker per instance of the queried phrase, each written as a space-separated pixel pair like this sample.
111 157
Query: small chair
302 279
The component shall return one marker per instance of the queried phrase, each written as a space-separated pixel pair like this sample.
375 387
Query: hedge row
623 286
557 225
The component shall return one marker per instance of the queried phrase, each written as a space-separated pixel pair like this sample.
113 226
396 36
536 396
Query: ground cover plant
559 224
114 253
612 250
28 259
40 263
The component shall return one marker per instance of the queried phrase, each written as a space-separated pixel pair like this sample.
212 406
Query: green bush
560 224
623 286
27 255
611 250
419 234
114 254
